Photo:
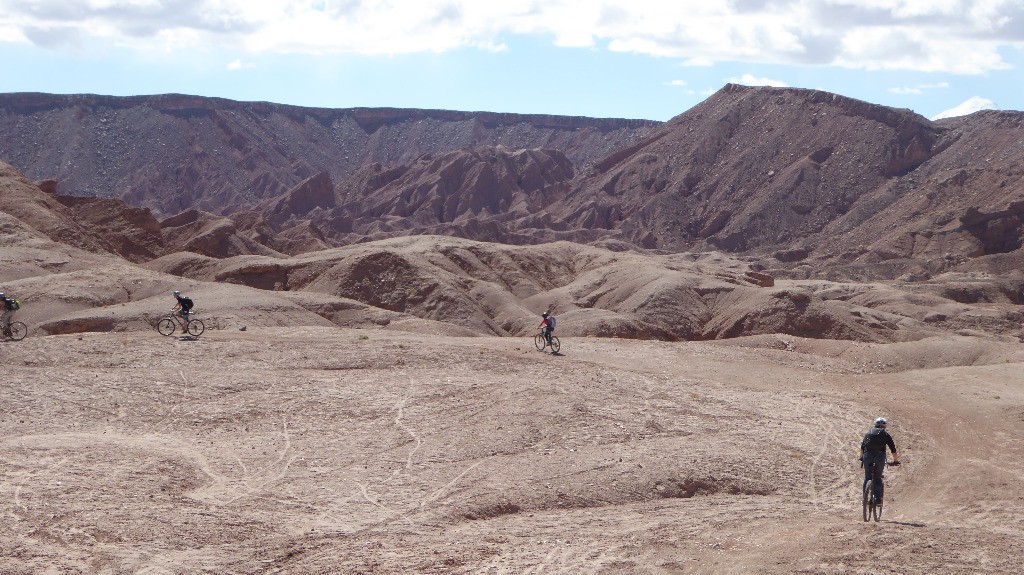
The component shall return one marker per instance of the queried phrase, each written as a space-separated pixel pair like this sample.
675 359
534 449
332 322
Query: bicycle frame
175 321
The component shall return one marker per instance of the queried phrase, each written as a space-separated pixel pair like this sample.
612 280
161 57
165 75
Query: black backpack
186 303
874 440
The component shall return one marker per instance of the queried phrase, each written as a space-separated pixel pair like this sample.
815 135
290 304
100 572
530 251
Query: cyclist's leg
868 471
874 464
879 484
6 319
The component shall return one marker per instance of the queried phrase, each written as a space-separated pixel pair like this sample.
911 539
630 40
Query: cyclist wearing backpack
10 305
184 305
872 454
547 325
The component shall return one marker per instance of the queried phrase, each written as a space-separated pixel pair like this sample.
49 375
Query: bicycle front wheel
166 326
555 344
18 331
195 327
539 341
876 510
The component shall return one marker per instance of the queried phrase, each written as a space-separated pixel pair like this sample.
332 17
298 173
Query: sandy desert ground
316 450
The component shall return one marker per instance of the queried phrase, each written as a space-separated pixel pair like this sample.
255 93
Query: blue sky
649 59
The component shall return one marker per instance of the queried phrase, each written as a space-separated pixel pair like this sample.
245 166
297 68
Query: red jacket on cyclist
547 325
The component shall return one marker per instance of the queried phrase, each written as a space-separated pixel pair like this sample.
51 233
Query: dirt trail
319 450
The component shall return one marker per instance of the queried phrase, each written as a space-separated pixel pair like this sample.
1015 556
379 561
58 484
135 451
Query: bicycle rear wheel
868 493
539 341
195 327
166 326
555 344
18 331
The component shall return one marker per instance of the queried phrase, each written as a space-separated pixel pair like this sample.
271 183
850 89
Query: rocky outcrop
316 192
91 224
133 233
209 235
488 182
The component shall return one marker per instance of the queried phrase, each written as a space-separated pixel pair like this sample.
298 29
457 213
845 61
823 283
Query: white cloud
240 65
919 89
954 36
972 105
677 83
751 80
10 33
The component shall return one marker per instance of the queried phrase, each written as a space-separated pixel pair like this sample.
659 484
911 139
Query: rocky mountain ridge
176 152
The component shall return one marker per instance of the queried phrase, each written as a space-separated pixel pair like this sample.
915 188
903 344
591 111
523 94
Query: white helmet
881 422
176 292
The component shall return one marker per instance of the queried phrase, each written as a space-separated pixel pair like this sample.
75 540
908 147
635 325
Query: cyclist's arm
892 447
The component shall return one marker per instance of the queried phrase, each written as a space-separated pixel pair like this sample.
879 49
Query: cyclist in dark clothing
184 305
7 308
872 454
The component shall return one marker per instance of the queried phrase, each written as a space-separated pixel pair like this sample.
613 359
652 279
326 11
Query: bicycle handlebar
889 463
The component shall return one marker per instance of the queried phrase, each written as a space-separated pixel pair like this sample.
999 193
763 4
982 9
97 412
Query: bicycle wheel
166 326
539 341
876 510
555 344
18 331
868 492
195 327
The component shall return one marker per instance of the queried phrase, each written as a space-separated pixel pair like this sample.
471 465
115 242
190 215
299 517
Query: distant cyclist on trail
872 454
547 325
10 305
184 305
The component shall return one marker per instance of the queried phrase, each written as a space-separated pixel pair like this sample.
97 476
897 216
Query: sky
649 59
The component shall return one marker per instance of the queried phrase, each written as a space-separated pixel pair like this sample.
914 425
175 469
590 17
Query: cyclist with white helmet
184 305
872 454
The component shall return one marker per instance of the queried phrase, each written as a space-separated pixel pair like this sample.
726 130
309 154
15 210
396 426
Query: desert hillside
821 185
91 264
804 173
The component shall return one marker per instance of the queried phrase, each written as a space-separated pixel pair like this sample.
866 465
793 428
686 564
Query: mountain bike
17 332
541 342
872 509
172 321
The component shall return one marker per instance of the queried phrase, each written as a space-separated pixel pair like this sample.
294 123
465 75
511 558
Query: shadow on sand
906 523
